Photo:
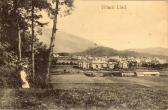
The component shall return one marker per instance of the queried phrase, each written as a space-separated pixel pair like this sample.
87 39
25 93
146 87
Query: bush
9 77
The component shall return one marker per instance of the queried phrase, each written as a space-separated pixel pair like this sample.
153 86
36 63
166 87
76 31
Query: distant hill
69 43
153 51
66 42
106 51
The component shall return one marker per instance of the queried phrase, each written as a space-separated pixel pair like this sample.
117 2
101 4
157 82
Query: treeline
19 27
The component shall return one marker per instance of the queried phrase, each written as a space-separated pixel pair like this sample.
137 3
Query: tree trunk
18 31
33 38
52 42
19 43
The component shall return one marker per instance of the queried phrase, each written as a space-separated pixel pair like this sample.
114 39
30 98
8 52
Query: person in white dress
23 76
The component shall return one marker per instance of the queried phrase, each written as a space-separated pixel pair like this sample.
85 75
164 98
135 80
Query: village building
111 65
147 73
151 73
63 60
66 61
104 63
123 65
98 64
139 74
124 74
127 74
84 64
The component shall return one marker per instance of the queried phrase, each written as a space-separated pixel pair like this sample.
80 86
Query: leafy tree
15 29
18 30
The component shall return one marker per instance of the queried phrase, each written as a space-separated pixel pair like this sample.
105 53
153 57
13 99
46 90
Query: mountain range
106 51
153 51
70 43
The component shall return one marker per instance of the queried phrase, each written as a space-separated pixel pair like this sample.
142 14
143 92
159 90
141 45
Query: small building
111 65
148 73
139 74
98 64
127 74
123 65
155 73
65 61
84 64
124 74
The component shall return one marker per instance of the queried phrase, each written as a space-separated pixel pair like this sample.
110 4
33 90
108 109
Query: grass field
150 81
80 92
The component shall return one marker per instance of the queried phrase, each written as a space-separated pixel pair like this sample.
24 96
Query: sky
138 24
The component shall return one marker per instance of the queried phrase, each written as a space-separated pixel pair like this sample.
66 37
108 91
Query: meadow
80 92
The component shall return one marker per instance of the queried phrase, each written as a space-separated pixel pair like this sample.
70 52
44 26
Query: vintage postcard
83 55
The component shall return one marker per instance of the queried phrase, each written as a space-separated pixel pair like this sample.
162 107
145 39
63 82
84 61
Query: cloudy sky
139 24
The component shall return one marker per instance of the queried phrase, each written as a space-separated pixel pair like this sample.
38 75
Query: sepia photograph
83 55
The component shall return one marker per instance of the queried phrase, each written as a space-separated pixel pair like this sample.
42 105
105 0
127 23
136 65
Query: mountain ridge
107 51
153 50
69 43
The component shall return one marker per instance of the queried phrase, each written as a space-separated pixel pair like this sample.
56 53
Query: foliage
9 77
16 18
14 13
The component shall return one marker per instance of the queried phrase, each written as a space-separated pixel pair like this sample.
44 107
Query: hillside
154 51
69 43
66 42
106 51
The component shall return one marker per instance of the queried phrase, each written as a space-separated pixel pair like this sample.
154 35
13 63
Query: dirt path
8 99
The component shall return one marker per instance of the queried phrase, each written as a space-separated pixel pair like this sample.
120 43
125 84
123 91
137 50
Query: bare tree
52 42
33 38
55 12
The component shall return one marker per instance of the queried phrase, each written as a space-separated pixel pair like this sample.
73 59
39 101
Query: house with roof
84 64
127 74
98 64
111 65
123 65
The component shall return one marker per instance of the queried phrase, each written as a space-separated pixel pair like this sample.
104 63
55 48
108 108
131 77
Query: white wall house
84 64
98 64
148 73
